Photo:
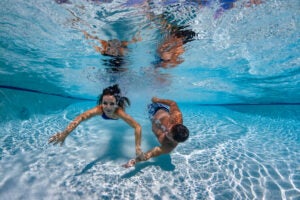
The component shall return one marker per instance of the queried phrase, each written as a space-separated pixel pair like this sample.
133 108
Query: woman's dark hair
116 92
180 132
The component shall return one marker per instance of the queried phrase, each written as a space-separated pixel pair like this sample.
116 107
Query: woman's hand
58 138
138 151
140 157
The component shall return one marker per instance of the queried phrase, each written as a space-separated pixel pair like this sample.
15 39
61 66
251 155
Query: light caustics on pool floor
232 153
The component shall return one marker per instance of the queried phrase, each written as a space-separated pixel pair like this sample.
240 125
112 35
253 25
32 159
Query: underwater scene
233 68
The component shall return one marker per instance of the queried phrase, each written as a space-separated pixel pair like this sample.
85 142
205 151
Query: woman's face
109 104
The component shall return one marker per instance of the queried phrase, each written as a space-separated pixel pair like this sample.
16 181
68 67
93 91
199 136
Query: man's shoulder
176 117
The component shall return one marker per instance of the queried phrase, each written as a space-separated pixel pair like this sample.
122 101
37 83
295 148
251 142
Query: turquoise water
238 89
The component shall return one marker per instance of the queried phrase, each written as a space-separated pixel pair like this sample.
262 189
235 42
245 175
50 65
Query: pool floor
234 152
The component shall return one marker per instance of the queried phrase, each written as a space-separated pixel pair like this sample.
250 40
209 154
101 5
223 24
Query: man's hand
130 163
154 99
58 138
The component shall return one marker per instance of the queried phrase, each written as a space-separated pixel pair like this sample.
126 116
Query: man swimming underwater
167 126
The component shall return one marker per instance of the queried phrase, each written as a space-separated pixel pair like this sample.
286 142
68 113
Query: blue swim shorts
154 107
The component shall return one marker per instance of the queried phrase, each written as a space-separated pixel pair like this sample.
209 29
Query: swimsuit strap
104 116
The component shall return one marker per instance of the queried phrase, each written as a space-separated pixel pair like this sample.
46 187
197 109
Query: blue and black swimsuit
154 107
104 116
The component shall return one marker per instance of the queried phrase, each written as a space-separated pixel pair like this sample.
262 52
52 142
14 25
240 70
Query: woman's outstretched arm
61 136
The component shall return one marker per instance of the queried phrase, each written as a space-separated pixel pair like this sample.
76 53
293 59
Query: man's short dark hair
180 132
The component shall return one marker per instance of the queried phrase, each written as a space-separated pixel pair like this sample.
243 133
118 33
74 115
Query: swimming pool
238 89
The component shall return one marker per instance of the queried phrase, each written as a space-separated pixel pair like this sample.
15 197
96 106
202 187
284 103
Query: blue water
238 89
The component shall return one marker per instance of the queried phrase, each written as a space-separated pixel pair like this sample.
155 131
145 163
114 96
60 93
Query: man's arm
168 102
156 151
176 116
172 104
